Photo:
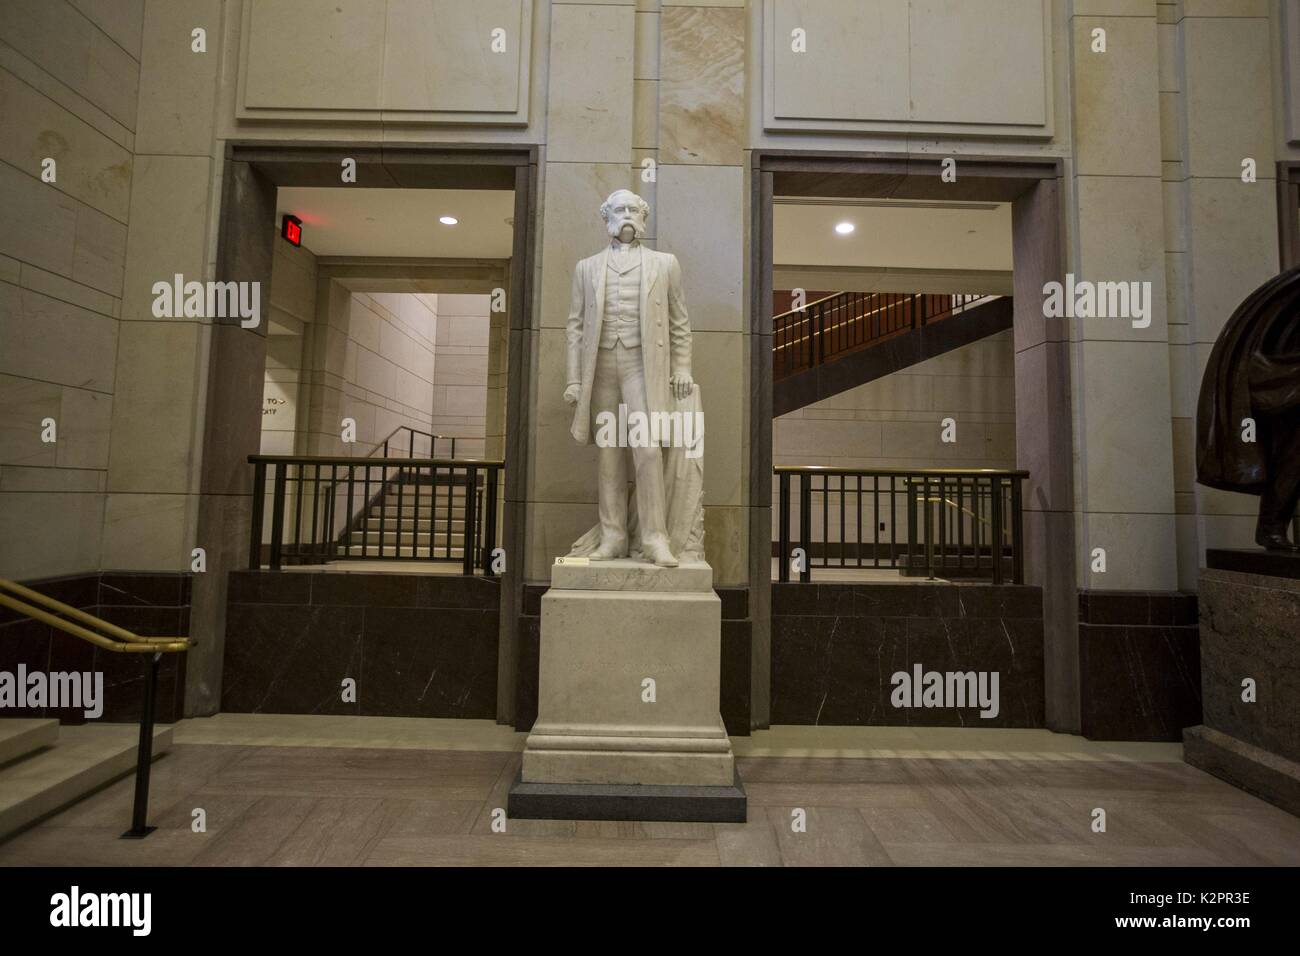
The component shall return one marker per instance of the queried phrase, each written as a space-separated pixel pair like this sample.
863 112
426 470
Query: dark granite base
1250 628
1276 564
737 644
1256 771
836 647
640 802
149 603
417 645
1139 665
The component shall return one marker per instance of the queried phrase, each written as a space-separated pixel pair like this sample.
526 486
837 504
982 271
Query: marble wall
69 83
461 373
1217 110
371 359
293 308
895 422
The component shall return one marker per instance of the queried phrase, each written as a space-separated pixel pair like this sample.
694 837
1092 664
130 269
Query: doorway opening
374 419
927 350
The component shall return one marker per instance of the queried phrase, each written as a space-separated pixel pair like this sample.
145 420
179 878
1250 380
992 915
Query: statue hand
572 393
681 385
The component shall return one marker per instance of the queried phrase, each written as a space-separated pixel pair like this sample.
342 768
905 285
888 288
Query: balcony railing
939 522
849 321
392 509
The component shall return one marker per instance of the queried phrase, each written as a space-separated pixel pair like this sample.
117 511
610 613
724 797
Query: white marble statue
629 380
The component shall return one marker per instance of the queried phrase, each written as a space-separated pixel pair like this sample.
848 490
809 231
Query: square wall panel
978 62
425 61
853 67
313 54
453 56
909 66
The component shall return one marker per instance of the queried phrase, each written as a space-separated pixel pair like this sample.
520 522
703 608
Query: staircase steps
20 737
46 767
406 551
889 353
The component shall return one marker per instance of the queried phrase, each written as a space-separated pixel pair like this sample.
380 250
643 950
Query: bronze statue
1254 377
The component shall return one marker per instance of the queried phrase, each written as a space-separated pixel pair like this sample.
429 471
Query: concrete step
421 538
406 551
22 736
424 502
393 523
84 759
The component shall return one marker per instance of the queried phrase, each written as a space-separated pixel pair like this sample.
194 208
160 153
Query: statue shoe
657 551
608 552
1275 541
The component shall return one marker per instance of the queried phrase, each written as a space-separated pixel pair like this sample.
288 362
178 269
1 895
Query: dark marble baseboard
416 645
641 802
737 647
149 603
836 647
1139 665
1266 775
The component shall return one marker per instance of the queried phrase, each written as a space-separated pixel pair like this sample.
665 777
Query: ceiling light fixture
844 228
448 220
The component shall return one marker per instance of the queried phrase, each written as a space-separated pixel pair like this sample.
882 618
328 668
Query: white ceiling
355 221
897 235
358 221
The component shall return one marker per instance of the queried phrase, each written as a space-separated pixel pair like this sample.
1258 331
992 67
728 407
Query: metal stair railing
118 640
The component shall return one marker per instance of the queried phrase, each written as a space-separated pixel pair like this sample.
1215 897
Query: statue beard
625 230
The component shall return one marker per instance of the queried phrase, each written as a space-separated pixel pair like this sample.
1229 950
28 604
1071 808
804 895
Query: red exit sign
291 229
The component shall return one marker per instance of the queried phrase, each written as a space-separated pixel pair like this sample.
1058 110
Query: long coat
1253 372
665 331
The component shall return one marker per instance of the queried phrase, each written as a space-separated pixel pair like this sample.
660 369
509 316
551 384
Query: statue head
625 213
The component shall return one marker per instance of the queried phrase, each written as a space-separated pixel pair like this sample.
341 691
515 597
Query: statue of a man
629 344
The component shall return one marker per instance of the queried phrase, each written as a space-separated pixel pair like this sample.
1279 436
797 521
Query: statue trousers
620 379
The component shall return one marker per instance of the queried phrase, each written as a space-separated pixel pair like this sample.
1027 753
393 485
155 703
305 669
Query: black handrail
958 521
848 321
410 446
316 483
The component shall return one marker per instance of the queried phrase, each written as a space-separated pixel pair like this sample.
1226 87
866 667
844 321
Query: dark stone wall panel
417 645
1139 664
836 648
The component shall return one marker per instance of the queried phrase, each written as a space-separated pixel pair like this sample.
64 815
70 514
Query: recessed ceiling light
448 220
844 228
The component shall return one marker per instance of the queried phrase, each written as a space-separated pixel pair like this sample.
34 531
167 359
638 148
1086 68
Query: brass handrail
121 642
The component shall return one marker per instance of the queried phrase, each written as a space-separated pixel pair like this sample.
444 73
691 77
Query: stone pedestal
1250 628
627 717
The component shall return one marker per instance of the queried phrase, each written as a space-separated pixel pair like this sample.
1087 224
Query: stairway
45 767
851 338
410 518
